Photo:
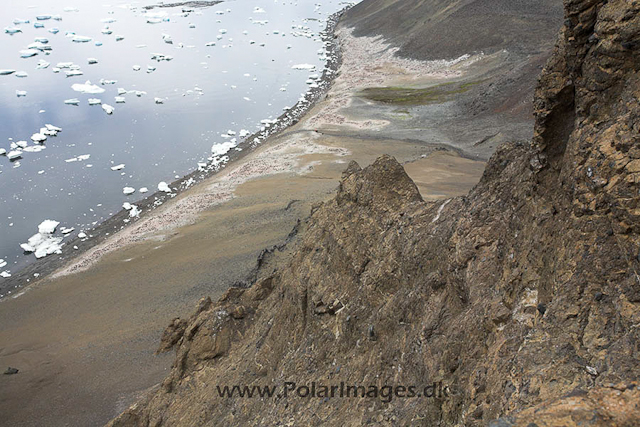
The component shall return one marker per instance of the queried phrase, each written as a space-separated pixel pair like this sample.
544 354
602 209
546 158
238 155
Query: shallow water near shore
205 91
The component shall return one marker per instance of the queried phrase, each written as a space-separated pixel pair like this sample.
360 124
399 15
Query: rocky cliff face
522 298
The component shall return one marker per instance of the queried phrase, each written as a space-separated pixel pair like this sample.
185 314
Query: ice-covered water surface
99 102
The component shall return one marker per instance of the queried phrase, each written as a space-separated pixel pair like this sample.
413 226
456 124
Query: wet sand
84 340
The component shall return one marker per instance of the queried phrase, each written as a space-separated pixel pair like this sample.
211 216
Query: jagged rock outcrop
523 298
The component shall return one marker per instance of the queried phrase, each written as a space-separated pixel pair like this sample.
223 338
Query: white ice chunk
163 186
6 72
143 190
21 93
108 108
81 39
158 100
12 155
38 137
87 87
222 148
94 101
48 226
304 67
92 61
72 101
128 190
28 53
120 100
117 167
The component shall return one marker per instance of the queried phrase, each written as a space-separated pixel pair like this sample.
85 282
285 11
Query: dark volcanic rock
11 371
490 295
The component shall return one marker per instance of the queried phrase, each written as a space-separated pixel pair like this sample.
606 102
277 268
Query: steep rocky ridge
523 297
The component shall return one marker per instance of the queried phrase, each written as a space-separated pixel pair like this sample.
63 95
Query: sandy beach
84 338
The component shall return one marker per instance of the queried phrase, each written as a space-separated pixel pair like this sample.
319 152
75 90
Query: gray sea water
231 67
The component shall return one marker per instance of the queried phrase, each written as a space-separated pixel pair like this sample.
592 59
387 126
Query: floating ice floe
79 158
158 100
136 68
42 64
117 167
5 274
92 61
210 44
19 21
108 108
6 72
12 30
66 230
119 38
304 67
108 82
3 263
43 17
81 39
259 10
97 43
95 101
21 93
128 190
122 91
120 100
54 30
73 73
72 101
87 87
3 152
43 243
106 31
38 137
13 155
82 235
150 69
161 57
143 190
167 38
28 53
163 186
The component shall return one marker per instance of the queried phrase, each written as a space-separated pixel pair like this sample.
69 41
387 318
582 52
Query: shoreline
46 268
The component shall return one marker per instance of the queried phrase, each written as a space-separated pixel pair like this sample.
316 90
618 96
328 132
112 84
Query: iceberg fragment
38 137
108 108
81 39
163 186
87 87
128 190
12 155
